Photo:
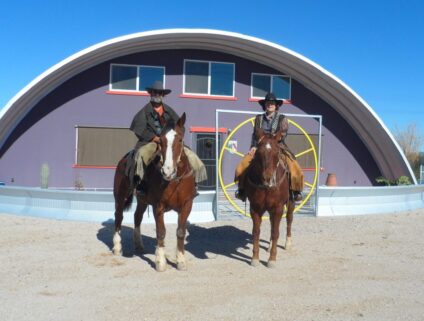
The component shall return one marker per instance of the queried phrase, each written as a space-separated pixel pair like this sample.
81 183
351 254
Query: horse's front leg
256 231
275 218
138 217
289 219
160 259
119 216
181 233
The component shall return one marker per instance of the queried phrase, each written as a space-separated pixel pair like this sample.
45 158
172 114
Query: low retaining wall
335 201
88 206
100 206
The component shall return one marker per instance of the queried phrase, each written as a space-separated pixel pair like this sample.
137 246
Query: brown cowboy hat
270 97
158 86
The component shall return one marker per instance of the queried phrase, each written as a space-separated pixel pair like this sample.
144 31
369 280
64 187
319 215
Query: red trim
310 169
129 93
93 166
208 130
285 101
208 97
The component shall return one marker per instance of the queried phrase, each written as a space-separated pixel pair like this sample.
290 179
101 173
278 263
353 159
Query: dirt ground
344 268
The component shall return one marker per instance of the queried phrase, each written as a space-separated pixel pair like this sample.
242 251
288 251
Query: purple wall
47 133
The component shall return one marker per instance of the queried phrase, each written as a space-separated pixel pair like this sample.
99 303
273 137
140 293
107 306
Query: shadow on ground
201 242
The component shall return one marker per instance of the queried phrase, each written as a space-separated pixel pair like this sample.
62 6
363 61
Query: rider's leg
239 176
143 158
198 167
296 178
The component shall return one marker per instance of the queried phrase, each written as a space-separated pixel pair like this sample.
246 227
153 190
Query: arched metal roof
375 135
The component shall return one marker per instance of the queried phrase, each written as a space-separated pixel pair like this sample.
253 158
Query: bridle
274 182
186 173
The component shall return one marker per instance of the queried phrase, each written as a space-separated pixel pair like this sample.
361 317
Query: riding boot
297 196
241 193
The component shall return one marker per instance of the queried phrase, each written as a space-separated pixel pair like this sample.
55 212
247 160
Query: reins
274 175
187 173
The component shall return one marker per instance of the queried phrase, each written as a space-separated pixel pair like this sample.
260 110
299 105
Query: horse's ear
182 120
259 132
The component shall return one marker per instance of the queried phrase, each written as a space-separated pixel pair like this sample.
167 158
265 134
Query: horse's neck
183 165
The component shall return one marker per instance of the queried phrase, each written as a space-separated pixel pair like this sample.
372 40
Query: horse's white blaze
117 246
168 166
268 146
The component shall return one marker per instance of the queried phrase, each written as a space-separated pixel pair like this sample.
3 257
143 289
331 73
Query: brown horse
171 187
267 188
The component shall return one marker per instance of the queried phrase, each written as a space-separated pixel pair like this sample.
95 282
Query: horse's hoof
254 262
271 264
160 267
289 244
181 266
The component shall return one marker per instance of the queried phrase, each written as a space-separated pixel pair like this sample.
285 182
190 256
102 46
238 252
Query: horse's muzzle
168 176
270 182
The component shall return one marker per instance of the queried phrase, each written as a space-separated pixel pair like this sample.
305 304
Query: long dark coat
146 125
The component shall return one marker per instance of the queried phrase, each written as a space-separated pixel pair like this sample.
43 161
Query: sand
344 268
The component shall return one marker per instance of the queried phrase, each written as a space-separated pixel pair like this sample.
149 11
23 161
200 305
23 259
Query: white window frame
271 78
123 90
137 79
209 77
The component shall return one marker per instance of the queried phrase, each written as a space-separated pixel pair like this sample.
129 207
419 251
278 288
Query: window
103 146
123 77
209 78
135 78
150 74
264 83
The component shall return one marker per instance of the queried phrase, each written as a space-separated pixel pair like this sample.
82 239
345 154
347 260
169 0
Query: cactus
45 172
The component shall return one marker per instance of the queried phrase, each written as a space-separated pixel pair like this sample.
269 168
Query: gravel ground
344 268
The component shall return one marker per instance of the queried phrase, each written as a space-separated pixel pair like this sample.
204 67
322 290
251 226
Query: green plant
403 180
383 181
45 173
78 183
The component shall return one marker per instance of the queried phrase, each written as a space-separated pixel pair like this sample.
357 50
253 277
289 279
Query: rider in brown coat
271 122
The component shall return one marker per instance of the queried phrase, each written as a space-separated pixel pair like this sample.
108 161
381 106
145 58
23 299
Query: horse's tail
122 187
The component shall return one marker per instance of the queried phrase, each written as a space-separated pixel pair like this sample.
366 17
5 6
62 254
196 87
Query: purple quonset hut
69 126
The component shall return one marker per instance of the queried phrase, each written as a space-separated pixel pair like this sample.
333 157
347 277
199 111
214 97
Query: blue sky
376 47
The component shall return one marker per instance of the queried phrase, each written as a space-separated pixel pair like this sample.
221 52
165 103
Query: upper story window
134 78
264 83
209 78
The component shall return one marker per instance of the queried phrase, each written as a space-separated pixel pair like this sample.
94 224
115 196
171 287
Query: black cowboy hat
270 97
158 86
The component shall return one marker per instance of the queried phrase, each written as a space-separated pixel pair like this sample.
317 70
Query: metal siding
47 133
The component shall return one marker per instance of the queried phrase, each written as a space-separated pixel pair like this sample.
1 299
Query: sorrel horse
267 188
171 187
